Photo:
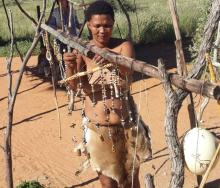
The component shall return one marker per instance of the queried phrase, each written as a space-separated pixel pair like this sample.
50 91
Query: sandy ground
39 154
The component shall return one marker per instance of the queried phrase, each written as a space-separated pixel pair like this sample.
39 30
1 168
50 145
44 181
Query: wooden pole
128 19
12 94
173 104
190 85
181 64
38 17
51 12
8 132
70 92
210 167
61 16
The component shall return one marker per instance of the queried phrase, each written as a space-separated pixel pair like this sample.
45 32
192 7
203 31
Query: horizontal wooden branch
191 85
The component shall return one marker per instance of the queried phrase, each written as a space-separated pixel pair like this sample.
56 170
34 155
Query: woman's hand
98 60
70 58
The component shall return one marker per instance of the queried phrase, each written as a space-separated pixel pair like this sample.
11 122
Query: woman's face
101 26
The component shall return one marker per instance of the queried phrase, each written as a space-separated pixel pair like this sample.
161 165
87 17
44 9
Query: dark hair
99 7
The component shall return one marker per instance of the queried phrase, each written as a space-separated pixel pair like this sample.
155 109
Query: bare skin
101 29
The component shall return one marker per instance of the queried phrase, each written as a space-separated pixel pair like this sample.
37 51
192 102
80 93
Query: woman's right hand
70 58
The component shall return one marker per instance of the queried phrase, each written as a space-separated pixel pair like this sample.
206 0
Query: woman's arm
127 50
73 62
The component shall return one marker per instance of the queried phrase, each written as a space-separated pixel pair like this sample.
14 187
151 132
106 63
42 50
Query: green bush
197 37
30 184
155 31
128 5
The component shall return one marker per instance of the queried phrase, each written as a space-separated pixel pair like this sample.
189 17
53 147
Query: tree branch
25 13
15 44
208 35
28 55
172 109
19 52
128 19
180 60
7 139
51 11
9 60
12 95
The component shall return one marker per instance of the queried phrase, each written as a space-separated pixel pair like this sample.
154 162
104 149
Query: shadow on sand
84 183
213 184
34 117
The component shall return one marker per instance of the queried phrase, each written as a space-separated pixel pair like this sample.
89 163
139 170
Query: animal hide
115 157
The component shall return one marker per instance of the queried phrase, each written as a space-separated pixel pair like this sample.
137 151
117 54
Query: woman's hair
99 7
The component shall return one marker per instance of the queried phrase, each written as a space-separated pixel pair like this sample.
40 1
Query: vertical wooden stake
210 167
173 104
181 64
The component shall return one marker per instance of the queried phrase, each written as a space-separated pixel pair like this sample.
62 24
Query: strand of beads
120 95
58 51
93 96
104 95
112 79
127 102
115 81
106 109
93 101
79 88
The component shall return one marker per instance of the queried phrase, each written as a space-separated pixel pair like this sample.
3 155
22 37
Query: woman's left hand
98 60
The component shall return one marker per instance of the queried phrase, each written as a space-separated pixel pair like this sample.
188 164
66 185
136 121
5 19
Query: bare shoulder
127 49
123 47
127 45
